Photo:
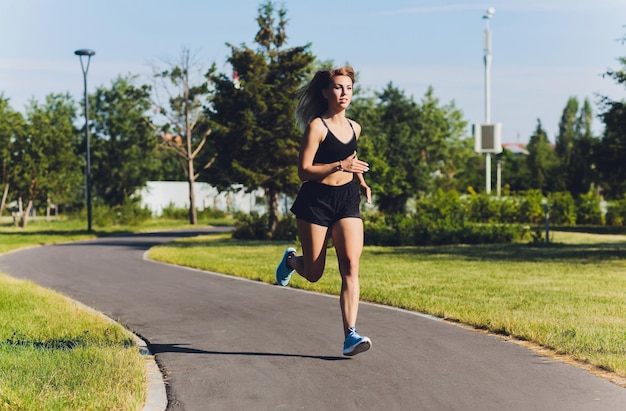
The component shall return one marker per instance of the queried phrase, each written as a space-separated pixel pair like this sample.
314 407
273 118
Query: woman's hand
352 164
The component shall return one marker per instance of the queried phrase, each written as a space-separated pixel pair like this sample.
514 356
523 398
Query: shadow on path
180 348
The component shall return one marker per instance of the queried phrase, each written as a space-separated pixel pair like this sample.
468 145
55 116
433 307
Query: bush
254 226
422 229
130 214
481 208
562 209
175 213
616 213
531 209
286 229
588 210
251 226
213 214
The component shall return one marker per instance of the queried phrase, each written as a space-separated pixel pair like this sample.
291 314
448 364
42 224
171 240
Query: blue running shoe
355 343
283 272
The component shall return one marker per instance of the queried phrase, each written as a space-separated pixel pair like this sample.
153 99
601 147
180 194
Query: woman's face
339 92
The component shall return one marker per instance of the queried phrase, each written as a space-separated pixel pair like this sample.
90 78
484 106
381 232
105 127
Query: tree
124 142
575 145
407 144
255 132
565 141
12 128
611 150
515 171
45 165
582 167
185 127
542 160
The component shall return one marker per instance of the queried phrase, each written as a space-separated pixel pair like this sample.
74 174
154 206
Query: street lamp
487 16
488 136
85 67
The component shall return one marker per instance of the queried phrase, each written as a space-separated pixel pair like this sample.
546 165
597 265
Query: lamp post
85 67
487 49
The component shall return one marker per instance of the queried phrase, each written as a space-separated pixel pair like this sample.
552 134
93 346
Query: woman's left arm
363 185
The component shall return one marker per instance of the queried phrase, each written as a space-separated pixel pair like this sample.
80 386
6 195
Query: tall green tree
184 126
611 150
582 175
12 128
565 141
542 160
575 145
45 165
515 171
253 109
408 144
124 141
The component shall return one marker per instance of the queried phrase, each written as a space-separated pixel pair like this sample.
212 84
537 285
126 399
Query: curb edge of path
156 394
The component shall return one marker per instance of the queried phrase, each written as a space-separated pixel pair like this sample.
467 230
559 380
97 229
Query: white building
157 195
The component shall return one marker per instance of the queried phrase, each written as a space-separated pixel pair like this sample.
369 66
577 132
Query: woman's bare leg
348 241
312 262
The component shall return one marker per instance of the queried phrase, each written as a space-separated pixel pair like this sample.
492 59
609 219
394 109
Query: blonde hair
311 101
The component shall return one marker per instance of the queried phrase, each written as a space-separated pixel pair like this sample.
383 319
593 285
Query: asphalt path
224 343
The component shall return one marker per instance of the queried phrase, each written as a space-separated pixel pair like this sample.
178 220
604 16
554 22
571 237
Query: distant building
157 195
516 148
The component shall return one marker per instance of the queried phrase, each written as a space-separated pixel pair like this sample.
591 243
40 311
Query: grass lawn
55 355
567 296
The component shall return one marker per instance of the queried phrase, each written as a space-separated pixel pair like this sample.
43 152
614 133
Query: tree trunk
24 214
193 215
4 198
272 205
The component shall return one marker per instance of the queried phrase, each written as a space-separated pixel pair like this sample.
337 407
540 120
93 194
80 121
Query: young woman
329 199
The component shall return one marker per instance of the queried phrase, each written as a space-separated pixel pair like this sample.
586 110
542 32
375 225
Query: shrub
588 210
213 213
481 208
175 213
251 226
422 229
130 213
531 209
508 209
616 213
254 226
562 209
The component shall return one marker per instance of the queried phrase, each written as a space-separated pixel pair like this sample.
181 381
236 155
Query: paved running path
230 344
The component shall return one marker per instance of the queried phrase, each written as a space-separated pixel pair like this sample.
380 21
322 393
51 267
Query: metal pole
487 59
546 210
85 69
499 177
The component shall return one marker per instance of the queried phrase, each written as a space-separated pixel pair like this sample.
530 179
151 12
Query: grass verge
567 296
56 355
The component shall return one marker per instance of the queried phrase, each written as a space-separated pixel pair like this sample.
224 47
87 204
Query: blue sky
543 51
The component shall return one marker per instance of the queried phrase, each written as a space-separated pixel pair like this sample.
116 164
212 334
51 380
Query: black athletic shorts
324 205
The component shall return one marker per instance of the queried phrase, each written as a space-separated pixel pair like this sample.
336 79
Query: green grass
55 355
567 296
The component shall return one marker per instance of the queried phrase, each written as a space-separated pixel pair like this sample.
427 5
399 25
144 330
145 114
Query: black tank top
331 149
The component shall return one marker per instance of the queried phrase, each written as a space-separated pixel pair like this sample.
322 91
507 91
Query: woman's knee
349 267
313 272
